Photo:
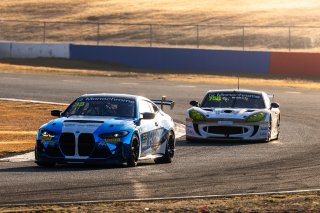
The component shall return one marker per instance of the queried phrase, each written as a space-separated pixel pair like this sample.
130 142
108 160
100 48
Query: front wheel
42 163
134 152
268 139
169 153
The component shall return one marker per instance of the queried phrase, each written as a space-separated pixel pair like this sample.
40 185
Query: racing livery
104 128
233 115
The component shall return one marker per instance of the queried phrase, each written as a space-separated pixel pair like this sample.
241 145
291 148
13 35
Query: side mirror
275 105
148 115
56 113
194 103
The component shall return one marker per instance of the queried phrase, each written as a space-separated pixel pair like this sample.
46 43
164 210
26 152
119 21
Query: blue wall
198 60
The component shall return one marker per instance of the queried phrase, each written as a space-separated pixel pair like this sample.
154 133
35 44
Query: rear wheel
134 152
169 153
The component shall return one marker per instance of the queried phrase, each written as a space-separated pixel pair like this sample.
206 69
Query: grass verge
300 202
19 124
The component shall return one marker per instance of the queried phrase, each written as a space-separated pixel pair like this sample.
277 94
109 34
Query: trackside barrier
174 59
5 50
295 64
34 50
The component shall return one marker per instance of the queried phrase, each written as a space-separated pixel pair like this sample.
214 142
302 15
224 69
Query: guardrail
276 38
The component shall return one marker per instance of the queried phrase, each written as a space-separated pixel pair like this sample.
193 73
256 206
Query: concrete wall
34 50
174 59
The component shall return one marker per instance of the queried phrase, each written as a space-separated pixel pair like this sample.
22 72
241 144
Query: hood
86 124
226 113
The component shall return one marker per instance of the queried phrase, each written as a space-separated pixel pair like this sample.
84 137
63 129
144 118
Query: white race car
233 115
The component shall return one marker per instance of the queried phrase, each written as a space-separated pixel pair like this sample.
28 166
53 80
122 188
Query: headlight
256 117
47 134
197 116
119 134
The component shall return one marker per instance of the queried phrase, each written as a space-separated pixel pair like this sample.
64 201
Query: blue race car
107 128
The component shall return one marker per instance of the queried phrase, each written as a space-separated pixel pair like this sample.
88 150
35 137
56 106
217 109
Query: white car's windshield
233 100
102 106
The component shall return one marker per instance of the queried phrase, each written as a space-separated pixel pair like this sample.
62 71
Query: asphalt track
206 168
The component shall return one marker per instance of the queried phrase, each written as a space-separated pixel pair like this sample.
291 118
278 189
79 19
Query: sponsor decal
113 99
112 140
241 95
214 98
79 104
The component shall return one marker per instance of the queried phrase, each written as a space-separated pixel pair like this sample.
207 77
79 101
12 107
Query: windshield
233 100
102 106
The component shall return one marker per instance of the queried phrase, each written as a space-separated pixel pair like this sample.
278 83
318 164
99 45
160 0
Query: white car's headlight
196 116
259 116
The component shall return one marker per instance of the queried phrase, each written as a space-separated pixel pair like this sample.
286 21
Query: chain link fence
275 38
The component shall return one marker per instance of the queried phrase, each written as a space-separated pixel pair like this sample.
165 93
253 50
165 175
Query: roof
110 95
237 91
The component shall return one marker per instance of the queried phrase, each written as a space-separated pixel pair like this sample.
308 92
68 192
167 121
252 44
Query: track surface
292 162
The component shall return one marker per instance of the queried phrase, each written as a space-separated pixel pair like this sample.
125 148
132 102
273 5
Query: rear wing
164 102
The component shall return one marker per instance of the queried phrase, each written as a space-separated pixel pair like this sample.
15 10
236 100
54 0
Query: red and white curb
179 130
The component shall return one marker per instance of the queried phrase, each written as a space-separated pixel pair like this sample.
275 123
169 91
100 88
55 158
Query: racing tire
134 152
169 153
268 139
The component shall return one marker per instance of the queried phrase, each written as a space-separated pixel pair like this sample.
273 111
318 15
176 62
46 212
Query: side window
145 106
155 108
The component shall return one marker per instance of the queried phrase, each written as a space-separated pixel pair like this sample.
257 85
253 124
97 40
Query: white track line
71 81
179 128
292 92
32 101
186 86
128 83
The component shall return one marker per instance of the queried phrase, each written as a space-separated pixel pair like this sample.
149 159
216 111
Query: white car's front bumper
215 131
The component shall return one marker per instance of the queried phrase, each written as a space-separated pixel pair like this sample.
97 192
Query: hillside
232 13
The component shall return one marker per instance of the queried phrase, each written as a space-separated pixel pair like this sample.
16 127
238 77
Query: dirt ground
299 202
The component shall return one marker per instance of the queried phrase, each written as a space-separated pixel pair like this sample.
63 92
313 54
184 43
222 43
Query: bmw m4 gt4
104 128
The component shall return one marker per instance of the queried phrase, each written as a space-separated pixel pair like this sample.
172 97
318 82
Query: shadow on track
201 143
61 168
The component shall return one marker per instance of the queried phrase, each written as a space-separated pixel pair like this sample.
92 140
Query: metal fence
276 38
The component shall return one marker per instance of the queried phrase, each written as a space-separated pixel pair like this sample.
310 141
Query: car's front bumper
238 131
51 153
